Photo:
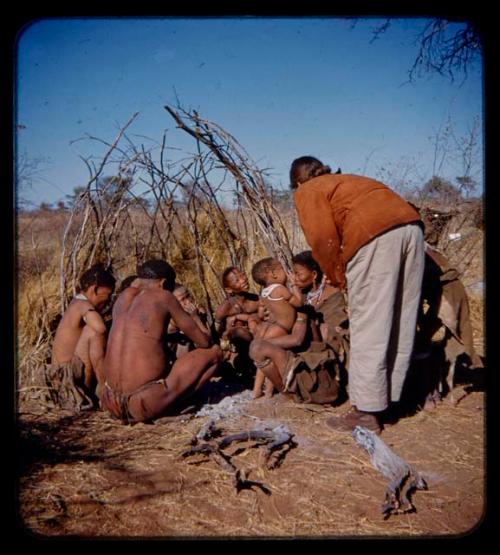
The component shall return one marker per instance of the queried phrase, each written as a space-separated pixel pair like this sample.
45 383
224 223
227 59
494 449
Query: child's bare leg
273 330
272 358
90 349
258 383
268 388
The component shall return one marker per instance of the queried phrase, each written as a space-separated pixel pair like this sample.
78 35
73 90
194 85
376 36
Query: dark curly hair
158 269
97 275
127 282
305 168
261 268
225 275
305 258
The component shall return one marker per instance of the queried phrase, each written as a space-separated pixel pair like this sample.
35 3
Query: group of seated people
157 347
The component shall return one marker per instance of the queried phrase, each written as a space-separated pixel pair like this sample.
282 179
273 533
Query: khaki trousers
384 281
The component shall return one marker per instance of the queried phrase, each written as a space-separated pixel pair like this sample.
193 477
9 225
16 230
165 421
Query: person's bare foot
268 389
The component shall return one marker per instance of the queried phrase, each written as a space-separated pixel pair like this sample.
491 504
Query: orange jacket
340 213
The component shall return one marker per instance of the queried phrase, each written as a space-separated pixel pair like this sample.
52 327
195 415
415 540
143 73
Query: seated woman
307 371
328 302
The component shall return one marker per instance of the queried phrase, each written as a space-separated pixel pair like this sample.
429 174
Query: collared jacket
340 213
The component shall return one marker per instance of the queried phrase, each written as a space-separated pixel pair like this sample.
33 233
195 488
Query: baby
280 303
238 314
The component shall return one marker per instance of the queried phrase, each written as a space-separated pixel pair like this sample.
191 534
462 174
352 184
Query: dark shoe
352 418
392 414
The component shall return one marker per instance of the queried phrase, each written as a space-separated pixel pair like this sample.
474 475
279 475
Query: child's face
184 298
304 277
99 295
237 282
277 275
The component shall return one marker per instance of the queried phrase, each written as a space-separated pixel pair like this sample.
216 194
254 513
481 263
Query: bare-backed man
141 383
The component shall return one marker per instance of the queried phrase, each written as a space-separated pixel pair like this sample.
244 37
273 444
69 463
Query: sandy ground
90 476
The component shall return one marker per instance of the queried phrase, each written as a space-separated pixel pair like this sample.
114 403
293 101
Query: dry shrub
37 315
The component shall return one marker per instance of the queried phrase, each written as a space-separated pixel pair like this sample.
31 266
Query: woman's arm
297 335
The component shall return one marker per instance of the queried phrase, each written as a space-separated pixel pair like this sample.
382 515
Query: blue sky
284 87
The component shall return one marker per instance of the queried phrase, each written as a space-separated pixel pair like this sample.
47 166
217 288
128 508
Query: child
126 283
280 303
240 309
181 344
80 339
235 321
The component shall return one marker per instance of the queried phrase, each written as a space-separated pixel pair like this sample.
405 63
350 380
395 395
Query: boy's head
127 282
267 271
97 284
306 270
234 280
158 270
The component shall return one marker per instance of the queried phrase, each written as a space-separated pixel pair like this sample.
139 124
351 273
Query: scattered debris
231 405
207 431
278 440
393 467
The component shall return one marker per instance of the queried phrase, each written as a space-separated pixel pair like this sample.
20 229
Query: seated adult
141 384
328 302
305 370
444 331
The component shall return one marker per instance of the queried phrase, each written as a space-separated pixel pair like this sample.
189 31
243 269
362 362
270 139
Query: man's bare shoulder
161 296
129 293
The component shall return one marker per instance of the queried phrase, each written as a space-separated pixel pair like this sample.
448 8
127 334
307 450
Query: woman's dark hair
305 258
158 269
305 168
97 275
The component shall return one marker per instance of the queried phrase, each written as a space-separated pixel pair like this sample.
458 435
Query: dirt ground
90 476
